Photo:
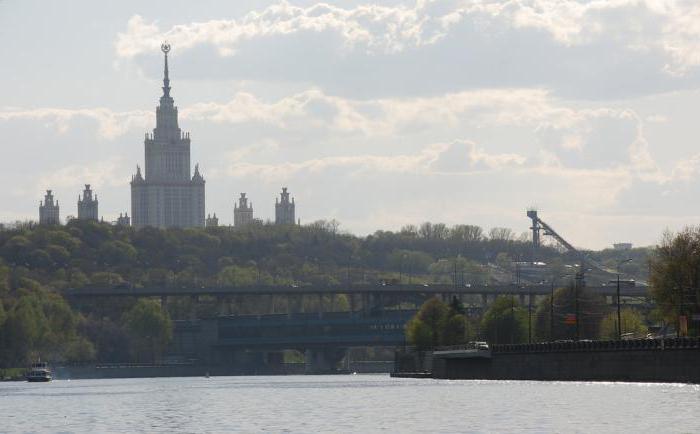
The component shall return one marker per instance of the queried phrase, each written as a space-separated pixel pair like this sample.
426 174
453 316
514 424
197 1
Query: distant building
212 221
622 246
124 220
242 212
284 209
48 210
165 195
87 205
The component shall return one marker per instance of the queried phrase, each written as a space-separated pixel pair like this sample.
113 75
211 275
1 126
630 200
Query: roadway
425 289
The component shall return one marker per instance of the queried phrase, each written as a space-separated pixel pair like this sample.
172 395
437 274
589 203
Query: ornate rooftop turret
49 213
87 205
284 209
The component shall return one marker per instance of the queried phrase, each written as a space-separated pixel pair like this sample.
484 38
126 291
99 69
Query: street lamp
619 316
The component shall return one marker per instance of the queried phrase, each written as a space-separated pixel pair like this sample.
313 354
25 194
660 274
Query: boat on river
39 372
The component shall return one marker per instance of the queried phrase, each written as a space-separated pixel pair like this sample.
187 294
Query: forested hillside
37 263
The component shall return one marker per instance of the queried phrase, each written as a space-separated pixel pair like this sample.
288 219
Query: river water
345 404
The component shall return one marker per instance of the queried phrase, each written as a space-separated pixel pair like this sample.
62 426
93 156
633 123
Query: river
345 404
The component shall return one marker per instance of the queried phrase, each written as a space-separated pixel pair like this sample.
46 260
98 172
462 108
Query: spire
165 48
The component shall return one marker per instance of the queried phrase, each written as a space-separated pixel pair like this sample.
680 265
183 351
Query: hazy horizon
376 114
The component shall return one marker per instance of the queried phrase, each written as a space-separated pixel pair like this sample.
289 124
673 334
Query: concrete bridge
323 338
384 289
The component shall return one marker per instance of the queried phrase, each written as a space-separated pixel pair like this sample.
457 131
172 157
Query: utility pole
529 318
551 312
619 316
512 317
579 278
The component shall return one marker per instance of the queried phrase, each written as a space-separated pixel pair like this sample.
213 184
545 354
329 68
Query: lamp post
579 278
529 317
619 316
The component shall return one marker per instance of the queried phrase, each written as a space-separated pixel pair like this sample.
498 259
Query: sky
376 114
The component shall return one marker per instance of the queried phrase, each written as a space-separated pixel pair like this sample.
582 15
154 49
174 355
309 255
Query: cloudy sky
376 114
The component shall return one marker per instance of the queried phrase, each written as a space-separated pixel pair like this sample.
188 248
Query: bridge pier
223 305
351 299
522 299
323 361
194 302
164 303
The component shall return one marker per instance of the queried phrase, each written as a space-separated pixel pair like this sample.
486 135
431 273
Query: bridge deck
156 291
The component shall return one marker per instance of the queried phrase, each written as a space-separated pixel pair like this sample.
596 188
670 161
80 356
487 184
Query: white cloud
667 26
376 28
105 173
111 124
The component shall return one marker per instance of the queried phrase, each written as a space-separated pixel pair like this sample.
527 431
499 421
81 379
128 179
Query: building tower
48 210
242 212
212 221
87 205
124 220
165 195
284 209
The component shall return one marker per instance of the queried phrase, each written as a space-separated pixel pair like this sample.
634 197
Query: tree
501 234
117 253
591 309
505 322
149 328
435 324
80 350
675 274
631 321
409 261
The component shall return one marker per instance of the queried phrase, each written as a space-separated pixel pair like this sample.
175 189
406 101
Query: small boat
39 372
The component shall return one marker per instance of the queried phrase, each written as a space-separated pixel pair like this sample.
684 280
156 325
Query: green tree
117 253
675 274
631 320
80 350
591 309
149 328
505 322
435 324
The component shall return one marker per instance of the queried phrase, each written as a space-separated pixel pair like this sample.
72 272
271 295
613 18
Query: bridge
385 289
323 338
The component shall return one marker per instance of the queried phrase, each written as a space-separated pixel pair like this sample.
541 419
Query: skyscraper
284 209
242 212
87 205
165 195
49 211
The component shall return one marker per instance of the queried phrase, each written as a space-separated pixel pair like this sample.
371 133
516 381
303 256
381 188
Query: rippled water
344 404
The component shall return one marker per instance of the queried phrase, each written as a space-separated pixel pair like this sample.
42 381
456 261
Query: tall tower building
284 209
87 205
165 195
242 212
212 221
124 220
48 210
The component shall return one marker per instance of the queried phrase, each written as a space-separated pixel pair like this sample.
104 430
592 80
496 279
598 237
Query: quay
674 360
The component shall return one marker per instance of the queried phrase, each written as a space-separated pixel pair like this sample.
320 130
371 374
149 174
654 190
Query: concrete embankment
152 371
649 360
195 370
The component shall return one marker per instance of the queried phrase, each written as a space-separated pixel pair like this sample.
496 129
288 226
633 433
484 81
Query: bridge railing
588 345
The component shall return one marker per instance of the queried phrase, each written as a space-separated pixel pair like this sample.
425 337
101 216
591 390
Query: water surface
345 404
